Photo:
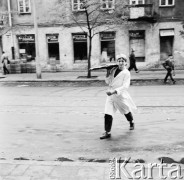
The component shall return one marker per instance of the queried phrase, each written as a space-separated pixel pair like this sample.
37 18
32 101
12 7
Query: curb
82 80
59 163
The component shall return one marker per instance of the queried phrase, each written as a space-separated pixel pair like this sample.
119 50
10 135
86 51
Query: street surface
47 123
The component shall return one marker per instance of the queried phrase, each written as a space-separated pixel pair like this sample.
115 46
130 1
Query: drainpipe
11 30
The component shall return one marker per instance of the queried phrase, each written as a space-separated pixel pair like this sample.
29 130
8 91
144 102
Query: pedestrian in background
5 61
169 66
118 98
133 62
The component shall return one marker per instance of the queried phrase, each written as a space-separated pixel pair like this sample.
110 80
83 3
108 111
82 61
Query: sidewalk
81 76
48 170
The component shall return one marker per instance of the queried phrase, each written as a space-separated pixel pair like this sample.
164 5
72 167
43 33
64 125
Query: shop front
26 44
166 43
137 43
27 54
107 41
53 47
80 47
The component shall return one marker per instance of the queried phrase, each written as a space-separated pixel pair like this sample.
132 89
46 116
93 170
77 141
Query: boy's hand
109 93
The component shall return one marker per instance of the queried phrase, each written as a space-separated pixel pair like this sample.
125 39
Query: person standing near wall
5 61
133 62
118 98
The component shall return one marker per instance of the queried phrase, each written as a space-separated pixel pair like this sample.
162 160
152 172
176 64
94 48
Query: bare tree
95 16
4 28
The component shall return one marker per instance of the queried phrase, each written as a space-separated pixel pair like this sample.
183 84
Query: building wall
152 43
51 21
172 12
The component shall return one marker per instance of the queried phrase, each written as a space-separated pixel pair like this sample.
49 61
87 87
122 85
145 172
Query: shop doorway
80 47
137 43
166 43
80 51
107 40
53 47
166 46
27 49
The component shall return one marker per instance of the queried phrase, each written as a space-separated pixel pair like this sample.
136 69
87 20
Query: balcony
141 12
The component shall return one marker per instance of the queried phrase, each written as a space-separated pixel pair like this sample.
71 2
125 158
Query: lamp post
38 67
11 31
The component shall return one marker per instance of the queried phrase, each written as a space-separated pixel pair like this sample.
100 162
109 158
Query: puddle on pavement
93 160
21 158
168 160
62 159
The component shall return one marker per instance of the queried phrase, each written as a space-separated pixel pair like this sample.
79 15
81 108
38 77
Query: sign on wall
167 32
107 35
52 37
26 38
79 37
137 34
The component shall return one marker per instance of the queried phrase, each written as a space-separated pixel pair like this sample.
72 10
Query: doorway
166 46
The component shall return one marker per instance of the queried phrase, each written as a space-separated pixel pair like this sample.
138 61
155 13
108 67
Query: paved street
50 123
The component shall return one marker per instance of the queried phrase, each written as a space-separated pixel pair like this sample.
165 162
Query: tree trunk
89 57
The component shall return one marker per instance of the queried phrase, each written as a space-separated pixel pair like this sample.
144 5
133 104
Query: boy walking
169 66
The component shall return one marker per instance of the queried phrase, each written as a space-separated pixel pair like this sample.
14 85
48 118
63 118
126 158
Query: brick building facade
153 31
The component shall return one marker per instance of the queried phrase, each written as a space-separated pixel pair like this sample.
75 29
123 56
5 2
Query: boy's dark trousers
169 73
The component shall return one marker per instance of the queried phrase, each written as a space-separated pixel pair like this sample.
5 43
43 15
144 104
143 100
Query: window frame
78 6
107 5
24 7
166 5
130 2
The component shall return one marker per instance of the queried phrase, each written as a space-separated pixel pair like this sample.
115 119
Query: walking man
169 66
118 98
5 61
133 62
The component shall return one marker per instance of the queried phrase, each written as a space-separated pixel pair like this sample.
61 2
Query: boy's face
121 63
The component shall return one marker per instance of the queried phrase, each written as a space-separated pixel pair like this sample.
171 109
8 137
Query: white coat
122 100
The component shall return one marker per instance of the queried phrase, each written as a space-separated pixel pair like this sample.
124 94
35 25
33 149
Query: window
107 4
167 2
24 6
78 5
134 2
